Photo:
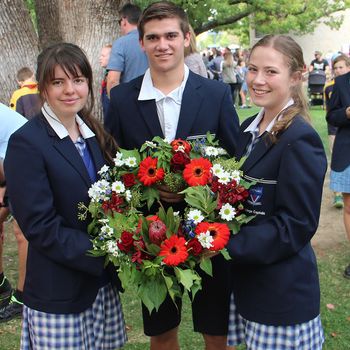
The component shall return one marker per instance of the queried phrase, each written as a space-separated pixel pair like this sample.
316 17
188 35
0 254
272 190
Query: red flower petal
220 233
149 173
174 250
197 173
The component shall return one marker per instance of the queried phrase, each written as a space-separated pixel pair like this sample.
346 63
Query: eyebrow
158 35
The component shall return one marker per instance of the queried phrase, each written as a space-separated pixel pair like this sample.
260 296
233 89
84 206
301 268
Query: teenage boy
172 102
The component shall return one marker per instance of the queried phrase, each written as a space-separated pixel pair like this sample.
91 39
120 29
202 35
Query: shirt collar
149 92
59 128
255 123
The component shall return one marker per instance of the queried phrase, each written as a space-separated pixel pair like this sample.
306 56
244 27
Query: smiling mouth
260 92
69 101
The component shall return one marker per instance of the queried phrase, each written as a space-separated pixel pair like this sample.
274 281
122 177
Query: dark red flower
197 172
178 161
174 251
157 232
194 247
129 179
180 144
126 241
149 173
115 203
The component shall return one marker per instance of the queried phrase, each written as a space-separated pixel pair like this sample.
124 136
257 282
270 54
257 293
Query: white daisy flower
118 187
224 177
118 161
227 212
130 162
107 231
211 151
195 215
98 191
150 144
217 169
205 239
221 151
236 176
103 170
112 248
128 195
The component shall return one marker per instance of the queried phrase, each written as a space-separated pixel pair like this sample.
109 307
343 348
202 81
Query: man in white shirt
172 102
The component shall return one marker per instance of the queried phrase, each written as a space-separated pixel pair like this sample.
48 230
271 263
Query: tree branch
216 23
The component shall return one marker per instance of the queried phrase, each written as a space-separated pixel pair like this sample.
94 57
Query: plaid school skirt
340 181
99 327
256 336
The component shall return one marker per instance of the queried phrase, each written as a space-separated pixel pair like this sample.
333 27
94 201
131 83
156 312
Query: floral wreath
158 254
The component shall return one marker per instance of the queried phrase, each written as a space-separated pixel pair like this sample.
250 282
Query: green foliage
268 16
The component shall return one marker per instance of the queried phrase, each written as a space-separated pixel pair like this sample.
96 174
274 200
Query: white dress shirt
168 106
59 128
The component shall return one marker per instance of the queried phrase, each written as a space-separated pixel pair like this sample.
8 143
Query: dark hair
24 74
131 12
71 58
293 55
161 10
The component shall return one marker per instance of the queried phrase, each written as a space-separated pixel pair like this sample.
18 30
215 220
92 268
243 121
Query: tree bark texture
18 43
86 23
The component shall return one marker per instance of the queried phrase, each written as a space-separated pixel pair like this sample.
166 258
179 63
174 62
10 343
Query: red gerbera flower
174 250
184 145
197 173
149 173
220 233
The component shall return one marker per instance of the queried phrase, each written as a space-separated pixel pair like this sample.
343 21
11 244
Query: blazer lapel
148 111
260 149
67 149
242 144
96 153
190 105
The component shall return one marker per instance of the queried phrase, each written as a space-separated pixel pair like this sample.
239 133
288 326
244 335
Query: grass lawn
335 290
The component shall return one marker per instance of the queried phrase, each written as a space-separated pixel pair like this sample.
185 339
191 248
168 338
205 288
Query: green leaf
150 195
153 292
130 153
185 277
206 266
225 254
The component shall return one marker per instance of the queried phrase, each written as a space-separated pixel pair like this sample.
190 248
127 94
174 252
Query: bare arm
2 175
113 79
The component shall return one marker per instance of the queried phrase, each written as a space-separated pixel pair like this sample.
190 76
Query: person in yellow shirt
26 100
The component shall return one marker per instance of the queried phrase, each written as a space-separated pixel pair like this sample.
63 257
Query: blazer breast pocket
261 197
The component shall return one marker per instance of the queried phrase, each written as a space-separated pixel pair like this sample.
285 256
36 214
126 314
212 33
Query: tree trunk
18 42
88 24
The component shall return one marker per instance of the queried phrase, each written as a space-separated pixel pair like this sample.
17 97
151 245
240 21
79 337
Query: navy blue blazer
47 179
206 106
336 116
274 266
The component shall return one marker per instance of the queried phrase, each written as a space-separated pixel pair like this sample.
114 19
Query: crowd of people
156 83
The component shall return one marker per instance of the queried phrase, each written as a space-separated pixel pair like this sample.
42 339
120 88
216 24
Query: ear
187 39
296 78
142 45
